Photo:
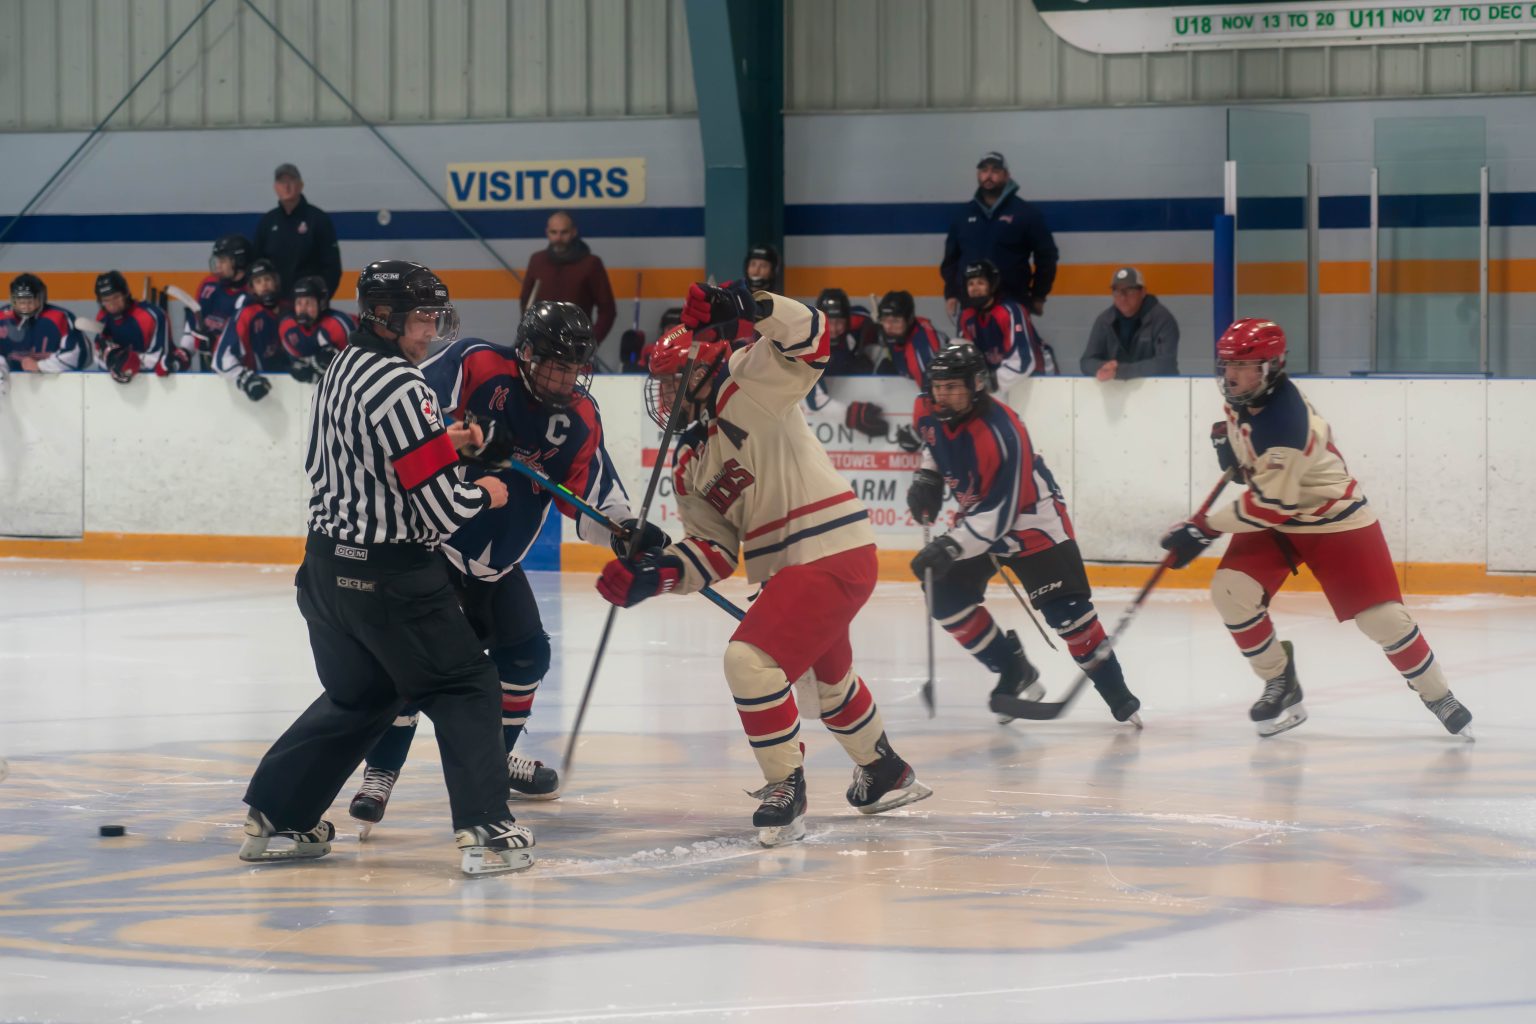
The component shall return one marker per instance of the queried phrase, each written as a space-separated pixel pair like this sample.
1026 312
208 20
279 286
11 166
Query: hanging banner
525 184
1139 26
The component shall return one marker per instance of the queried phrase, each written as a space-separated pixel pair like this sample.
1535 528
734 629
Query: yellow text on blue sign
520 184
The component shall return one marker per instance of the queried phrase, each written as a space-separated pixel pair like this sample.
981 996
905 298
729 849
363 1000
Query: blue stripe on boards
1506 209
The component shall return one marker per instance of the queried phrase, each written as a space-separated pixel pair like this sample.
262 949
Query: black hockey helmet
833 302
897 304
962 361
388 291
29 286
984 269
766 252
266 268
311 287
112 283
670 318
237 249
554 349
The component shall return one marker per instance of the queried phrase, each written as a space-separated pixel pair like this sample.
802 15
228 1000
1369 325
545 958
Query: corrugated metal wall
924 54
64 63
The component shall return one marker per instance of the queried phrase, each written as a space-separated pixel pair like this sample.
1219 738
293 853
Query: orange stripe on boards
160 547
1272 278
1344 277
1420 277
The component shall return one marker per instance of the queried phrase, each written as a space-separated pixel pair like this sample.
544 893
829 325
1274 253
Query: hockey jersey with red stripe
1297 480
754 478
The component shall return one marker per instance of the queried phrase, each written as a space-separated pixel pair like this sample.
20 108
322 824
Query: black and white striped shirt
379 461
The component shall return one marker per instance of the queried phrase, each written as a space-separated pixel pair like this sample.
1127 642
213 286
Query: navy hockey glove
253 384
925 495
627 583
652 538
325 355
1223 445
907 439
867 418
940 555
1186 542
303 371
122 363
177 360
708 306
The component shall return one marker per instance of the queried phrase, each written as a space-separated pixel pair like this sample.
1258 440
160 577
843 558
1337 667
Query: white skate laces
521 769
378 783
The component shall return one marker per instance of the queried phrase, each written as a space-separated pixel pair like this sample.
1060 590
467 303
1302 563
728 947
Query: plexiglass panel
1272 150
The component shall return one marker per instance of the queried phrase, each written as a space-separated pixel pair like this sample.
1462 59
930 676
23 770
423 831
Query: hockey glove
253 384
708 306
177 360
925 495
496 446
907 439
121 362
652 538
303 371
940 556
325 355
1223 445
867 418
1187 541
627 583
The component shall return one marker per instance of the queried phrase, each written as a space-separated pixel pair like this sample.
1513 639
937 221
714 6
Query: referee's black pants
386 629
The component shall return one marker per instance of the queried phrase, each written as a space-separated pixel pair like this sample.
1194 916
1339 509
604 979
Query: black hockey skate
1123 704
531 780
1018 680
259 832
1452 714
372 799
1280 708
781 816
495 849
885 782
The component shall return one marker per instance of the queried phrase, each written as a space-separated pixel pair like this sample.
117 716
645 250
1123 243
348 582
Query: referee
384 624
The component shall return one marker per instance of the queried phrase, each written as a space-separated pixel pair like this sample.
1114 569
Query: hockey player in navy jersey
911 340
217 296
251 343
1001 329
1010 507
313 333
35 336
134 335
528 403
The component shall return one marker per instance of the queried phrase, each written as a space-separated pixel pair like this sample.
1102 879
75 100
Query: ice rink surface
1364 867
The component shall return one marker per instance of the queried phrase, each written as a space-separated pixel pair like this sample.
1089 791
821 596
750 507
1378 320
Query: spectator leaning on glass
298 236
1134 337
568 271
997 225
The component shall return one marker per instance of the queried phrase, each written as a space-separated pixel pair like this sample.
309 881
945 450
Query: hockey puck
113 831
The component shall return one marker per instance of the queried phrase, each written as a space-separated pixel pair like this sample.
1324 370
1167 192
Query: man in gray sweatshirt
1134 337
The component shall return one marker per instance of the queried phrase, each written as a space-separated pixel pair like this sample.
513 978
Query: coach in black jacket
298 236
997 225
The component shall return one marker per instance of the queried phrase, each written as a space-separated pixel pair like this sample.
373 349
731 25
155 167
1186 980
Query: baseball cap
1126 277
993 157
286 170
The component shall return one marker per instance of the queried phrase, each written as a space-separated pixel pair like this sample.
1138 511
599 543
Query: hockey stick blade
88 326
180 295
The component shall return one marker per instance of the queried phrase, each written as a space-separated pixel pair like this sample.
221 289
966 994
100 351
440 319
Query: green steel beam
738 75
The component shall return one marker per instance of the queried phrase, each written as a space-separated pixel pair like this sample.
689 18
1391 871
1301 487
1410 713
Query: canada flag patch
429 411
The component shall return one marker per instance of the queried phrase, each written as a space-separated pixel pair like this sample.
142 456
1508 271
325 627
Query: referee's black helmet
388 291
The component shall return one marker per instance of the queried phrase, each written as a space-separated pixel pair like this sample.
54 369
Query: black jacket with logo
300 243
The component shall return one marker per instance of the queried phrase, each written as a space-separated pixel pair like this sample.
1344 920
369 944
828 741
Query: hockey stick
928 602
1002 570
1042 711
606 523
634 546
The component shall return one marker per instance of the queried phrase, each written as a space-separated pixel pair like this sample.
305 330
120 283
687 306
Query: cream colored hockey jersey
756 479
1297 480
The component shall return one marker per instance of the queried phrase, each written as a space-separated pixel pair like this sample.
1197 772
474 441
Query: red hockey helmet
1250 357
667 360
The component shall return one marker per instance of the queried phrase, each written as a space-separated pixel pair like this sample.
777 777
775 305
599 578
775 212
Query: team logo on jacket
303 227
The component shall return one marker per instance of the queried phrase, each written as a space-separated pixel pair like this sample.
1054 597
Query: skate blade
1466 734
1034 692
254 851
1290 719
517 794
1135 720
482 860
778 835
909 794
364 830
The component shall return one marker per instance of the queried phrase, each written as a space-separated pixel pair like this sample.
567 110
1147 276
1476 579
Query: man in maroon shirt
567 271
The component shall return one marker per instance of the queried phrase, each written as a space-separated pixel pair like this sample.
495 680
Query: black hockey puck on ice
112 831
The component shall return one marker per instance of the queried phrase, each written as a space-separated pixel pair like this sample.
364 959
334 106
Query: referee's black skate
1019 679
495 849
1452 714
1280 707
259 832
884 783
372 799
780 818
531 780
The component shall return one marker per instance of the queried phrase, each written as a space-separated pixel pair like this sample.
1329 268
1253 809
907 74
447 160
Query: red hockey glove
1187 541
708 306
626 583
867 418
122 363
1223 445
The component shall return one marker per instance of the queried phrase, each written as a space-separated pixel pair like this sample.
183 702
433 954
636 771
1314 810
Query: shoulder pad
1284 422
